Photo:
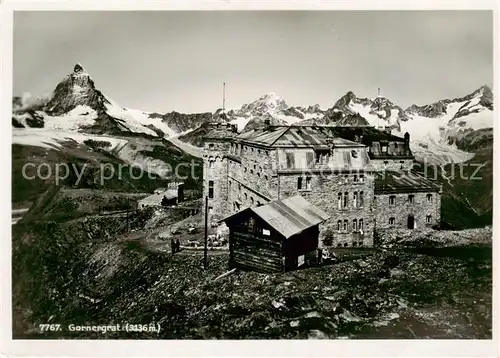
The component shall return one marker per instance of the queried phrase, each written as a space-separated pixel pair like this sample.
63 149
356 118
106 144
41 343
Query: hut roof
289 216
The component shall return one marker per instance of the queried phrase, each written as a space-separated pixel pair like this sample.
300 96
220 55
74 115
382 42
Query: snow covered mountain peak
350 110
76 89
269 102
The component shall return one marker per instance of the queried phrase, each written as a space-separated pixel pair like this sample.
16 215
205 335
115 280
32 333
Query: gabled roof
289 216
295 136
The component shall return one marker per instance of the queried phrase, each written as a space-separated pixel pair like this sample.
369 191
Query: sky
165 60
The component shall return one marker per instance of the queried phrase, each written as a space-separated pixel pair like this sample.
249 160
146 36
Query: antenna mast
378 114
223 97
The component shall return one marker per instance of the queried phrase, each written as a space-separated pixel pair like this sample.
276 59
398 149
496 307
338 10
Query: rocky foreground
424 291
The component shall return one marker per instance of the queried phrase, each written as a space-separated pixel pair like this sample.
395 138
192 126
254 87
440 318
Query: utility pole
223 97
206 235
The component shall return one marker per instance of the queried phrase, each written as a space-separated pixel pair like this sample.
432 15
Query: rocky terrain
93 272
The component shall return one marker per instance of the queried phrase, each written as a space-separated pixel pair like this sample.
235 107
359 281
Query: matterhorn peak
75 89
78 68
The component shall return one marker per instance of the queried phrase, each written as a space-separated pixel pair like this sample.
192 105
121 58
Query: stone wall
215 169
402 208
252 179
324 194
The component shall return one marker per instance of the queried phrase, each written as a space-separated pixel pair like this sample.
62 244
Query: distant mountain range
76 105
80 123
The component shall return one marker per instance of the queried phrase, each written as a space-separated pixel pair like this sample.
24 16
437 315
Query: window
259 203
345 225
239 187
322 156
254 167
395 145
354 225
258 174
339 200
258 151
266 178
355 199
299 183
428 219
211 145
308 183
251 201
266 232
290 160
229 185
354 153
244 169
339 225
346 195
392 200
210 189
411 199
251 171
392 221
361 199
246 197
360 224
361 178
429 198
384 149
355 179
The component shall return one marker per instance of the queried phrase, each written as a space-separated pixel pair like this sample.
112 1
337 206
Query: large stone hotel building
360 176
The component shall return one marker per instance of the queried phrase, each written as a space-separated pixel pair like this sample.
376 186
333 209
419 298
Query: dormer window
322 156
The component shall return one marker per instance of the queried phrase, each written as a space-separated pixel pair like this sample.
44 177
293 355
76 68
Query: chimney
267 124
407 143
407 139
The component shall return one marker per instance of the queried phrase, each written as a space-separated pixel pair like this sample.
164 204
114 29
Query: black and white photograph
252 175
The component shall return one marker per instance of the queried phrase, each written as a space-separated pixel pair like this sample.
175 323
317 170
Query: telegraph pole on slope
205 264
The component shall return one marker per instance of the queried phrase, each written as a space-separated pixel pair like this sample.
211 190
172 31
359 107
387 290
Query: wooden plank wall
254 252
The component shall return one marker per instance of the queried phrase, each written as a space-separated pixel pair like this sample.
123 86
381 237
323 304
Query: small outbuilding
277 237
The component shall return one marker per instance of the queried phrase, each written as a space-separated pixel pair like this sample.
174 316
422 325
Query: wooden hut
279 236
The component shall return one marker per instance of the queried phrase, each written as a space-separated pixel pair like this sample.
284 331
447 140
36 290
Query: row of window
411 199
255 170
239 148
428 220
357 225
304 183
358 200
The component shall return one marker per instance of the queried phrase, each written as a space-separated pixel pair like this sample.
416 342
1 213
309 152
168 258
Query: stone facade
335 175
348 202
411 210
215 171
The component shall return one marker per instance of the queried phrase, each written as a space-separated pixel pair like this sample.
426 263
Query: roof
403 182
289 216
295 136
157 198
